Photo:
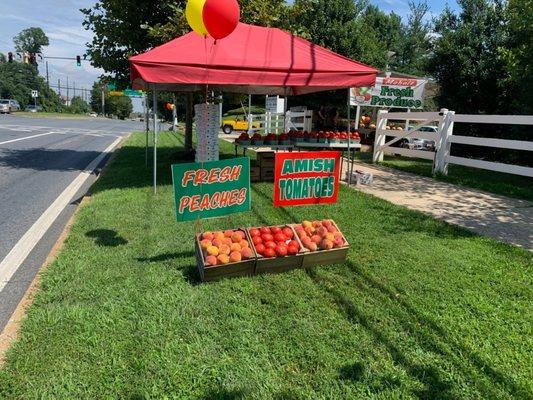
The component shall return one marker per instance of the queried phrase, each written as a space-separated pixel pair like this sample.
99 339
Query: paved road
41 159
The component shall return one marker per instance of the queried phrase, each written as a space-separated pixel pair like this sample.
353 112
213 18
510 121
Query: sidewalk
502 218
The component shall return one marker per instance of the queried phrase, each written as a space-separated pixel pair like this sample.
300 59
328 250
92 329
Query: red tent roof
252 59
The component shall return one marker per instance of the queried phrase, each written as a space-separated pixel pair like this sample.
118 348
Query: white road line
27 137
11 263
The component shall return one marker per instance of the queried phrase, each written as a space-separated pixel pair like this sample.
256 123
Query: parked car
33 108
237 123
8 106
93 114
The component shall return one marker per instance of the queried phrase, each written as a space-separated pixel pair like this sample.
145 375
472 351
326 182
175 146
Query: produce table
262 148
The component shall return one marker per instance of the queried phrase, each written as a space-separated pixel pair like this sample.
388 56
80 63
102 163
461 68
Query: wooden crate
278 264
266 159
231 270
267 174
255 174
326 257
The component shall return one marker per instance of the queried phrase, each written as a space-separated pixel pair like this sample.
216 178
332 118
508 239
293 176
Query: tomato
254 232
293 250
260 248
257 240
267 237
270 245
269 253
281 251
294 243
264 230
288 232
275 229
279 237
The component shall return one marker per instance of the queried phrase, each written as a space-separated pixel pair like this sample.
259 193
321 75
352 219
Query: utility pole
47 75
68 103
74 89
59 87
103 101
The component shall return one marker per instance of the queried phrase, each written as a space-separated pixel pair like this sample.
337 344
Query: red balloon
221 17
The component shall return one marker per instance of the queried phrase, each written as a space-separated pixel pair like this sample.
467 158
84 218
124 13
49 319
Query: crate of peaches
324 242
277 247
224 254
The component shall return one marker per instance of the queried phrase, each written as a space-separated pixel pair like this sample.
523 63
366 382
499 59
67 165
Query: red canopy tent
253 59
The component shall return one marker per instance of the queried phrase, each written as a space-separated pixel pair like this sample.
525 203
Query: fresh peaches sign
211 189
306 178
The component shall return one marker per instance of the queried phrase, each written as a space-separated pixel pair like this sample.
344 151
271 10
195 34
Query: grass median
420 308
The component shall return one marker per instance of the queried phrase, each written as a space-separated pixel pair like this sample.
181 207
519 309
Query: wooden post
443 146
380 136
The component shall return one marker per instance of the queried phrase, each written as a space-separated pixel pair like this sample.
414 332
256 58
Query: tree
467 60
78 106
518 54
120 106
96 97
31 40
3 58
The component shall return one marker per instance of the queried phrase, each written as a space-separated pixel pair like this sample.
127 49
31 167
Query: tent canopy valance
253 60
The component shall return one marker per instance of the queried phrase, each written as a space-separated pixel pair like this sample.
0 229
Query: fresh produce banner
306 178
211 189
390 92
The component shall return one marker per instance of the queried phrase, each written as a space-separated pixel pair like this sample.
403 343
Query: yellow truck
237 123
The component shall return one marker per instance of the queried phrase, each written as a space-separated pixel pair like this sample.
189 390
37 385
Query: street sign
306 178
211 189
34 94
133 93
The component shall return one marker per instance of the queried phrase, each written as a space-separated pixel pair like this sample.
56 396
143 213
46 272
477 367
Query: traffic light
78 61
10 57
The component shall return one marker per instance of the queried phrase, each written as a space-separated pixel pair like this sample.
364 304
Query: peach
306 241
326 222
307 224
338 242
204 244
309 230
218 235
237 236
316 224
316 239
247 253
244 244
208 236
223 258
235 256
329 236
212 251
312 246
337 235
228 233
227 241
235 247
224 249
211 260
217 242
326 244
332 229
321 231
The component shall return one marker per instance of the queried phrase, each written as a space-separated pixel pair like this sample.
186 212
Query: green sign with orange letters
211 189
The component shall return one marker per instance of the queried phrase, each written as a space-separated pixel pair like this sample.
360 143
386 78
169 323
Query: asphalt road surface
45 166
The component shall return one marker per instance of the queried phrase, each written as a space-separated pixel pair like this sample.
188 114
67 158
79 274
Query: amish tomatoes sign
306 178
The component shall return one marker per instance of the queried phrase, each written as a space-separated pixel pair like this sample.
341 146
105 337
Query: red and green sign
211 189
306 178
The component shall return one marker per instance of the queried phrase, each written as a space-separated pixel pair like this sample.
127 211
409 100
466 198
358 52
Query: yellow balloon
194 14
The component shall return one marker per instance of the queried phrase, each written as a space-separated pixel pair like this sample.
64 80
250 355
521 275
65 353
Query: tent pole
349 142
250 130
154 94
357 118
147 120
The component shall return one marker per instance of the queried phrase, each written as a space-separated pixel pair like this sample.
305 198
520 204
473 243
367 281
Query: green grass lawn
495 182
51 115
421 309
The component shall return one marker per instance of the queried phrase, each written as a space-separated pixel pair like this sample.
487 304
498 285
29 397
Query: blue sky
61 21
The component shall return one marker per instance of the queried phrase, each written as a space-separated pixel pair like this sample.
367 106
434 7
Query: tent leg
147 121
357 118
154 94
349 142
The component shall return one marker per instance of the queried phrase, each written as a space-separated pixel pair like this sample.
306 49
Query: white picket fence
444 138
279 122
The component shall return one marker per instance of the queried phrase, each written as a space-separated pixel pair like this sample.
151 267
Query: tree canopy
31 40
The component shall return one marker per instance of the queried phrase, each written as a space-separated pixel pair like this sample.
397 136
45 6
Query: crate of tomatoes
324 242
278 248
225 254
